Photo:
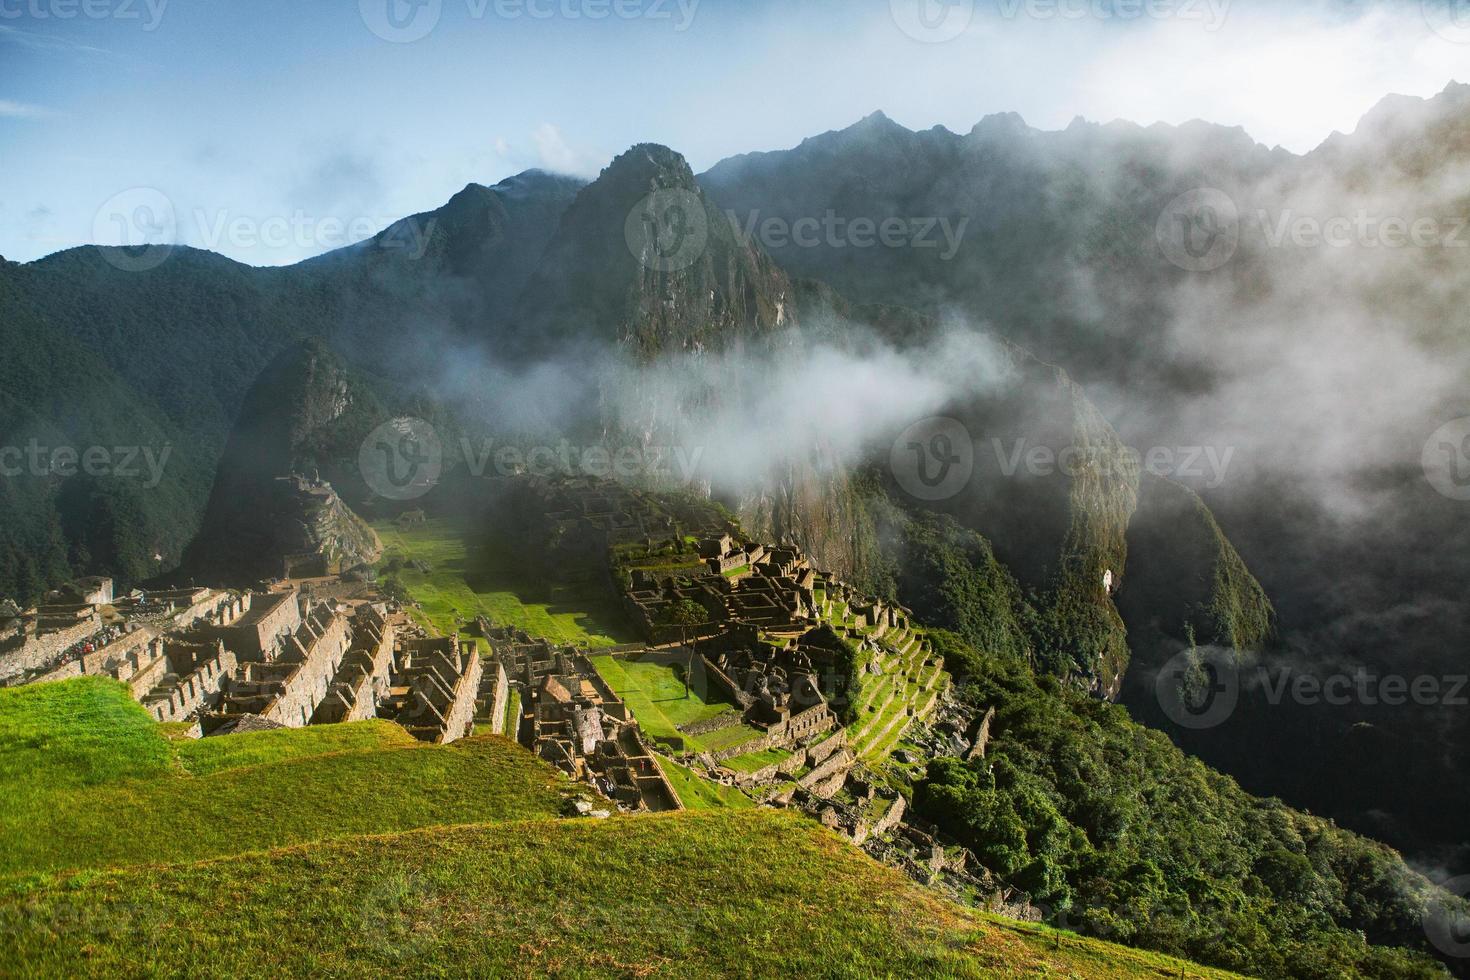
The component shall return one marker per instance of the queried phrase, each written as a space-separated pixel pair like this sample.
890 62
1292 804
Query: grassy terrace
756 761
698 793
734 893
655 695
883 702
467 577
88 780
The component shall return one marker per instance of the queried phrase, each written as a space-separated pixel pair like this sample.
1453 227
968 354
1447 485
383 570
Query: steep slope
95 476
642 259
165 355
1189 582
640 896
348 850
301 423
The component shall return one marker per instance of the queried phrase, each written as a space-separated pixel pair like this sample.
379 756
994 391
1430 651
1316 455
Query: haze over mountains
1045 312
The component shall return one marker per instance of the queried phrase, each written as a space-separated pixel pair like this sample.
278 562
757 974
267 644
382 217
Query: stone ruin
571 718
437 688
770 588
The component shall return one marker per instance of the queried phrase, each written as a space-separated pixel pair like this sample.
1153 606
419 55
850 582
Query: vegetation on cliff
1121 835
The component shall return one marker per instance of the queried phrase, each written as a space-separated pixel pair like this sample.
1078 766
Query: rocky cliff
271 507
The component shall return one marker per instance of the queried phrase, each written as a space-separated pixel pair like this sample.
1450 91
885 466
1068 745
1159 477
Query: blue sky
275 130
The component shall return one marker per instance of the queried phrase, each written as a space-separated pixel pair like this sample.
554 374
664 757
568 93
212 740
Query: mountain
104 351
1315 352
270 504
634 311
641 258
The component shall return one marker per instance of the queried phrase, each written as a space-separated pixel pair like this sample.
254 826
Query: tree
685 613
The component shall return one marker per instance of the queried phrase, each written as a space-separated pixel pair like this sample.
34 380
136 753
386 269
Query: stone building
287 688
262 627
440 681
364 678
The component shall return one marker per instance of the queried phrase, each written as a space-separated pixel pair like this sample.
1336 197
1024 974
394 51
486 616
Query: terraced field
185 800
889 703
350 851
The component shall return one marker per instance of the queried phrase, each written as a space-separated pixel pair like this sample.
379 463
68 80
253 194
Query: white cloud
10 109
556 155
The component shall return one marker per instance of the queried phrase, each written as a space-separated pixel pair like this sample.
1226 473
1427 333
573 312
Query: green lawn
103 785
203 756
698 793
725 893
756 761
655 695
469 576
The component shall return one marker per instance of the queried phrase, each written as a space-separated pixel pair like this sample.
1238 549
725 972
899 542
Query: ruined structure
437 689
362 679
287 687
574 720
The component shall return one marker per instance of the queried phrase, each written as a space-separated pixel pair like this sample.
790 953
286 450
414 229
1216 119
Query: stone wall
194 690
38 651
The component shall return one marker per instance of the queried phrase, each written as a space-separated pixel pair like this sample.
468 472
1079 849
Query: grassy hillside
129 850
737 893
89 781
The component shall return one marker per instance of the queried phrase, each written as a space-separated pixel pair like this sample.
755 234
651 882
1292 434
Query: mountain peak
1000 123
649 161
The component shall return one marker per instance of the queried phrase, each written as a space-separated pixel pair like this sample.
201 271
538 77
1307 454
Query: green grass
756 761
729 893
469 576
102 785
655 695
512 714
200 757
698 793
81 732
